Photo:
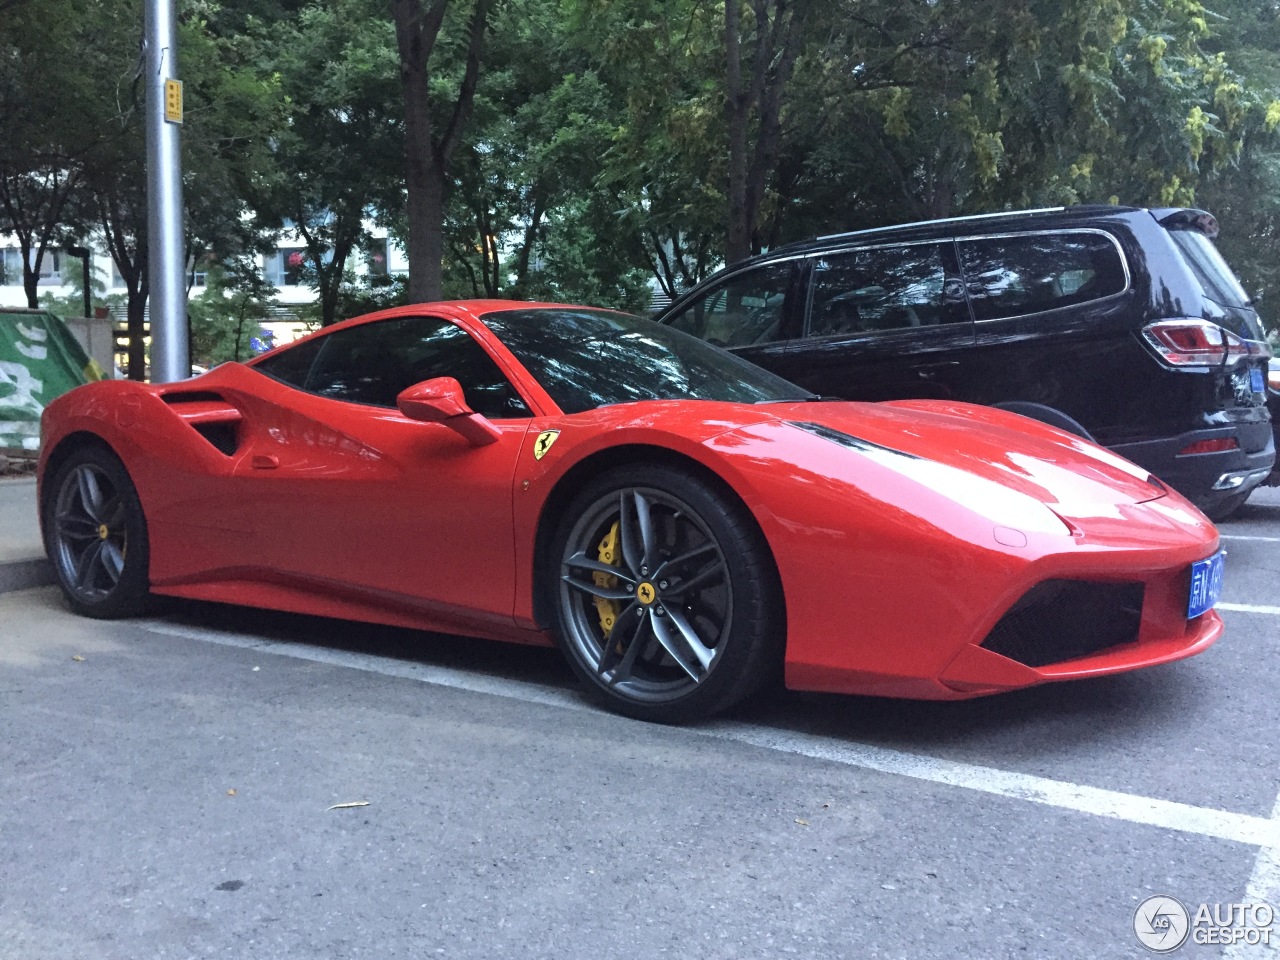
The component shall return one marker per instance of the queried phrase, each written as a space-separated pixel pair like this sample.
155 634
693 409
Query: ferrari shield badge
545 439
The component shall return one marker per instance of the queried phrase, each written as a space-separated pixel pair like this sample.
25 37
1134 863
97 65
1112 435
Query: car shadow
511 661
1042 719
1263 505
1052 717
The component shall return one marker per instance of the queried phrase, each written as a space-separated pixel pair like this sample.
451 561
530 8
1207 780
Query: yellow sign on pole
173 101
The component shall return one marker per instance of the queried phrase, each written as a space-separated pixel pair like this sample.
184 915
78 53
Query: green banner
39 359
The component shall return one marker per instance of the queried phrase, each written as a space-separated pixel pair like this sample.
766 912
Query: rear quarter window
1206 264
291 364
1031 273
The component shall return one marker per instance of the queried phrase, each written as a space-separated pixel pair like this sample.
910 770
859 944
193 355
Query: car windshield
591 358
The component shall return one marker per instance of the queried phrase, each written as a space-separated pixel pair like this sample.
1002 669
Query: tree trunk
427 160
738 229
137 314
526 251
754 105
30 277
421 179
426 282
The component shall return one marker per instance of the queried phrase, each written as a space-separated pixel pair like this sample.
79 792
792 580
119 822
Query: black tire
668 605
96 535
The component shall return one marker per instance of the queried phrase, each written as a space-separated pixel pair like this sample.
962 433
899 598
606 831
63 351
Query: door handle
265 461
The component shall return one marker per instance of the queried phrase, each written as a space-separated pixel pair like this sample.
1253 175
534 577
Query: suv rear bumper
1206 479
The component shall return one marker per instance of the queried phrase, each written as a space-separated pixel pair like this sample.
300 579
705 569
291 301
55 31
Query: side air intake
210 416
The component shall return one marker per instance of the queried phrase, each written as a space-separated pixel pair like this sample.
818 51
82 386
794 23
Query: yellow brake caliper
607 609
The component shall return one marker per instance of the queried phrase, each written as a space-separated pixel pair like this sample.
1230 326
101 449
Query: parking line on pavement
1236 536
1165 814
1248 608
1264 887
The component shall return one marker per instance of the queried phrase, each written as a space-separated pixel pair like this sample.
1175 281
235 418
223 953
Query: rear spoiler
1186 218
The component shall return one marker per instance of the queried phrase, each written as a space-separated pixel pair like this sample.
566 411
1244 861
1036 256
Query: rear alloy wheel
668 605
96 535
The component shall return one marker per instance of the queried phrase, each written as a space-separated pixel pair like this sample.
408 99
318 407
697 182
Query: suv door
1049 310
883 323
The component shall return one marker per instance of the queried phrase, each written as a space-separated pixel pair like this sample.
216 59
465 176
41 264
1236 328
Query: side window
291 364
883 288
1013 276
743 310
374 362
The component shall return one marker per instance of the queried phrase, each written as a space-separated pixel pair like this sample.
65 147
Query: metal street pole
166 261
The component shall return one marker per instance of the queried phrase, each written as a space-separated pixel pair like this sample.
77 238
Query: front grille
1060 620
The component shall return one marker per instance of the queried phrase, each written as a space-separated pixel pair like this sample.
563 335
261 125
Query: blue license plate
1206 584
1256 383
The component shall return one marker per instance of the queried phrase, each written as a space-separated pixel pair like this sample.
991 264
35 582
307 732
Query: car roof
1047 217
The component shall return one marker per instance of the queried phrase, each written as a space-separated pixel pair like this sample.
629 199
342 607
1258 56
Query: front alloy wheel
667 603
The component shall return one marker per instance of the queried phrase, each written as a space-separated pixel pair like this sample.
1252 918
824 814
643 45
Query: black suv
1122 325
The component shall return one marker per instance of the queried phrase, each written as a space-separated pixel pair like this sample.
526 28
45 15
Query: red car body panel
896 560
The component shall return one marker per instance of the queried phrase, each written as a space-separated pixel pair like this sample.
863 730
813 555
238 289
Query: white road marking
1248 608
1166 814
1237 536
1264 887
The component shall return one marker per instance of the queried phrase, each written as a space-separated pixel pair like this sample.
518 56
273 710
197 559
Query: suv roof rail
923 223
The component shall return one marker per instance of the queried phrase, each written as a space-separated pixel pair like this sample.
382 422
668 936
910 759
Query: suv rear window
1202 258
1014 276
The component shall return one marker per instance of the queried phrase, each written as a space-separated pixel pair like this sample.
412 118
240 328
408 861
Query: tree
766 42
526 217
664 173
234 112
335 153
429 145
1245 195
903 112
47 134
234 303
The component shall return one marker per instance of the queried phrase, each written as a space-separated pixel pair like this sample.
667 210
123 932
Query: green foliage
227 314
1245 194
336 151
371 293
596 155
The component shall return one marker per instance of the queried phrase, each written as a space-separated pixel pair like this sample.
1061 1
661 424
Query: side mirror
441 401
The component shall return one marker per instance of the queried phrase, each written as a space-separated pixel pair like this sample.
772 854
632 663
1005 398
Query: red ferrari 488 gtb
683 524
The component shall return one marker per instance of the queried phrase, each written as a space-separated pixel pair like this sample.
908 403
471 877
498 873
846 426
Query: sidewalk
22 560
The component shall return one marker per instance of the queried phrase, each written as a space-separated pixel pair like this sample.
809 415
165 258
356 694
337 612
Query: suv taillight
1199 343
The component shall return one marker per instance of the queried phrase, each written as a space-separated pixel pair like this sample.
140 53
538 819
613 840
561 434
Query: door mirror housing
441 400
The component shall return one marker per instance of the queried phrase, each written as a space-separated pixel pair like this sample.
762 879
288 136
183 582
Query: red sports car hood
1066 473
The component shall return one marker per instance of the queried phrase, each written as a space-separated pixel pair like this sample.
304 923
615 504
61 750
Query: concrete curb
24 574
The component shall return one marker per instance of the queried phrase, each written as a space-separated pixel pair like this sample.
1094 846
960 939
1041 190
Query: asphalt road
168 785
